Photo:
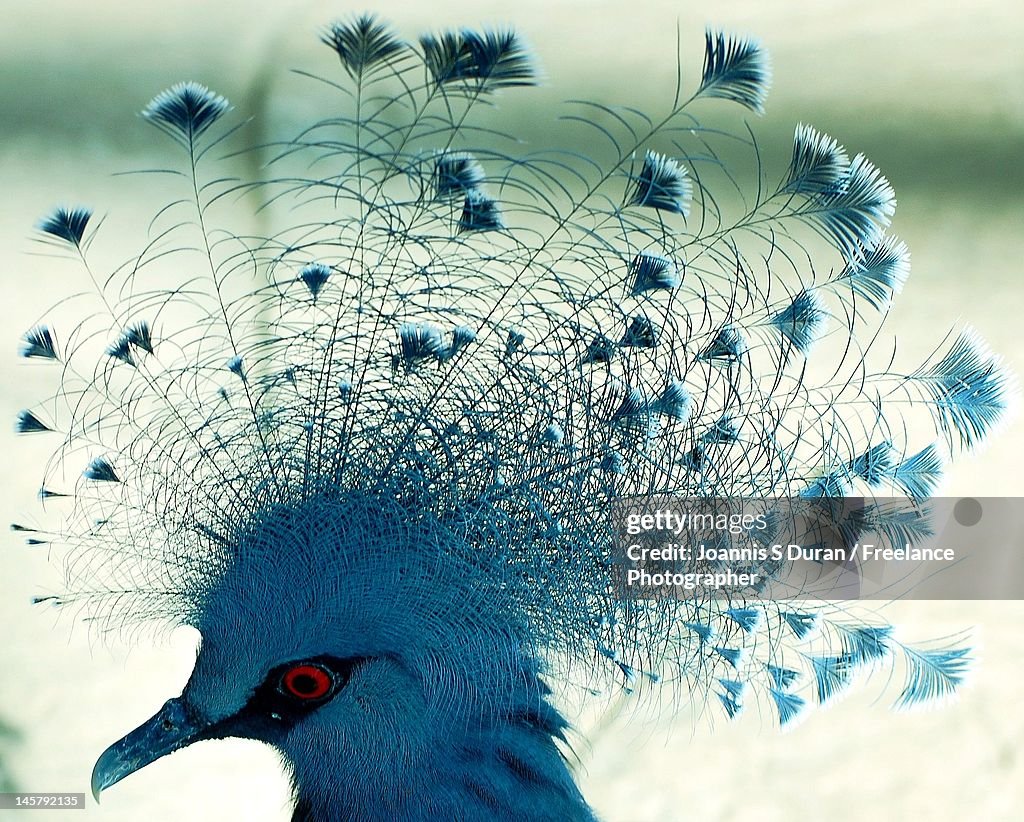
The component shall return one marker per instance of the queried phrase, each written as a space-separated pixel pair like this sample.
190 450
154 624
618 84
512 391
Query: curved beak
173 727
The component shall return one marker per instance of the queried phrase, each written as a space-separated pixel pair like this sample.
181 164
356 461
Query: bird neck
500 765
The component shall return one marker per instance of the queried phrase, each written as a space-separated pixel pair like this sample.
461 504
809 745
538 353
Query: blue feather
875 465
731 655
140 335
491 60
67 224
732 698
362 43
499 59
121 349
801 624
612 463
789 705
968 389
514 341
29 423
932 674
703 632
315 276
918 475
420 341
600 349
186 111
897 523
101 470
803 321
480 213
747 618
446 56
879 272
236 366
696 459
663 183
462 336
855 211
831 675
735 69
456 173
730 703
866 643
834 484
783 677
818 163
641 333
725 431
675 401
728 344
554 433
38 342
652 272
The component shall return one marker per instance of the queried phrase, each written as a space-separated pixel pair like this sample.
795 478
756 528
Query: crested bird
377 455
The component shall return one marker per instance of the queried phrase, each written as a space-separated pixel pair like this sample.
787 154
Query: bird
380 455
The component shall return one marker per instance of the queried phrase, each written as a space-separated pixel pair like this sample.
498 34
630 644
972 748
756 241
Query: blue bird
377 457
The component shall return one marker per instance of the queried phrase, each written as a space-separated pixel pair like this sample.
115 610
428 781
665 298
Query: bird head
340 633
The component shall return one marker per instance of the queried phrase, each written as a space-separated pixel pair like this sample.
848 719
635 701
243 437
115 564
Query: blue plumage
735 69
375 456
38 342
664 184
185 111
67 224
29 423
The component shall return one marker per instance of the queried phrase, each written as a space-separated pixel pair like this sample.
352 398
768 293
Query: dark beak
172 728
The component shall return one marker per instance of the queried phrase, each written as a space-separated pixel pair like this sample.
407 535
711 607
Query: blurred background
932 92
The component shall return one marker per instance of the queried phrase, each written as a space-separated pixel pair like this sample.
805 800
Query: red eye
307 682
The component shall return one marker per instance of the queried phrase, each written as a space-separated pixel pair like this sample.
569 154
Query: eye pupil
307 682
304 684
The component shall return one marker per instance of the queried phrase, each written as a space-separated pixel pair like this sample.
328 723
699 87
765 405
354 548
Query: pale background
933 92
